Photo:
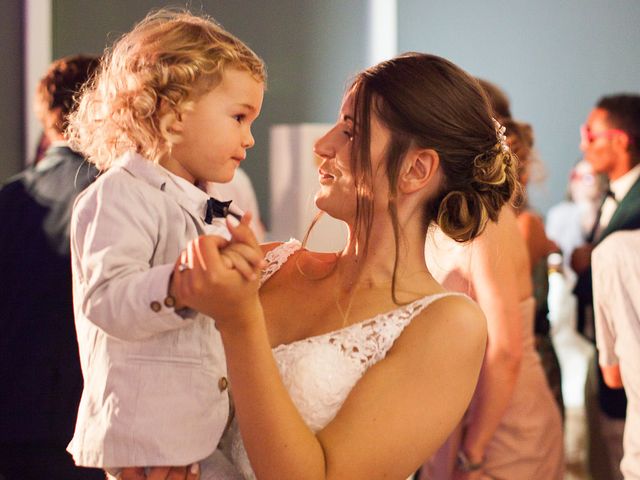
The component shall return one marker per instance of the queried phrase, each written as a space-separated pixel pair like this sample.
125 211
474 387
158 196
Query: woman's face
337 194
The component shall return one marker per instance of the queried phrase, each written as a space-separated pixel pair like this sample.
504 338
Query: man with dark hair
39 364
610 142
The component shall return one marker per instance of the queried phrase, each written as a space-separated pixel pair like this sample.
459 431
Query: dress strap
386 328
277 257
423 303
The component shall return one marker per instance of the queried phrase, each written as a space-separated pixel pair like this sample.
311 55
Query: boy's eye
239 118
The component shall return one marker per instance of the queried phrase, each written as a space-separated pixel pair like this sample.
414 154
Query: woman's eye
348 134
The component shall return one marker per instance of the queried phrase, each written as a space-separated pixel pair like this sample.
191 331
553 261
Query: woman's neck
376 268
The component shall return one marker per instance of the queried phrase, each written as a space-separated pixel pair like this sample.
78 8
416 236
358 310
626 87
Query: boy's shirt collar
189 196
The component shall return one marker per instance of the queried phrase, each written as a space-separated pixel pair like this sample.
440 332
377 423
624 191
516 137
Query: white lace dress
319 372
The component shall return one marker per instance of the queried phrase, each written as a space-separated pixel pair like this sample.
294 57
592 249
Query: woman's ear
419 169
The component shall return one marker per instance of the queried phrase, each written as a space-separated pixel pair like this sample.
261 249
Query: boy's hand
244 252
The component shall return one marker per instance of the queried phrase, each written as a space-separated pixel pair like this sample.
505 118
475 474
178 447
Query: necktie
218 209
596 224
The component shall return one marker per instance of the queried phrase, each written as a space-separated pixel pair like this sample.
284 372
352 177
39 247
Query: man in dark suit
611 144
39 364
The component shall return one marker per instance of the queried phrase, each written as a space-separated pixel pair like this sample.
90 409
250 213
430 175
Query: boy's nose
249 141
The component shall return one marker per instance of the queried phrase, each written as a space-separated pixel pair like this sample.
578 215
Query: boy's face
216 133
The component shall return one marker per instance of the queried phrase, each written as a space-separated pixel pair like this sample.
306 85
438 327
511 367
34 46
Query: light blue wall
310 47
554 58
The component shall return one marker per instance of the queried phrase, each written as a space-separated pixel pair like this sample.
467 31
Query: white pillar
383 30
38 52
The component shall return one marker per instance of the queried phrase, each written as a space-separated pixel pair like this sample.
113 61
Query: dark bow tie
218 209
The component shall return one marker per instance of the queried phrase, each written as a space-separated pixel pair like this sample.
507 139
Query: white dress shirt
155 391
616 294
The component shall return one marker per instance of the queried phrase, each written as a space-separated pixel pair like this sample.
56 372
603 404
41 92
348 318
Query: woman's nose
324 147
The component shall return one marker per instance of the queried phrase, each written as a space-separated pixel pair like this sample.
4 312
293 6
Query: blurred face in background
602 145
585 185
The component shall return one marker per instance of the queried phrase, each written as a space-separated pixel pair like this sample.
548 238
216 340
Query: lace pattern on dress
277 257
320 371
369 341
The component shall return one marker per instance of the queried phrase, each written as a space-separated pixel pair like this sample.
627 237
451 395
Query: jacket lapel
155 176
627 215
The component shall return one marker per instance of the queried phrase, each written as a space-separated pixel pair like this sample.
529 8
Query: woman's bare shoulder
447 317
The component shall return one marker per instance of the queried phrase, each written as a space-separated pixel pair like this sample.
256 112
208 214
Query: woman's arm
397 415
495 280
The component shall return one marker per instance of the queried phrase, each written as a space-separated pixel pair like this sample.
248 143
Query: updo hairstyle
428 102
150 78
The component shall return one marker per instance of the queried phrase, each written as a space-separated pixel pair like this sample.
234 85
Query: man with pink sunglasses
610 140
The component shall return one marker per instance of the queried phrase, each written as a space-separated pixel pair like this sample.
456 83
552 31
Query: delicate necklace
344 313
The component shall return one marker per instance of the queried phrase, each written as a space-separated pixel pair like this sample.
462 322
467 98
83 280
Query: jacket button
223 384
155 306
169 301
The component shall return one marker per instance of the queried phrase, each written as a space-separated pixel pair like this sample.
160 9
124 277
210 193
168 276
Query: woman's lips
325 177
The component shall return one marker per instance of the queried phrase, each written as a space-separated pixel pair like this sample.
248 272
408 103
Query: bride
359 364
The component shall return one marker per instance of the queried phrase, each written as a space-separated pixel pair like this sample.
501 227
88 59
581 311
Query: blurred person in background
520 139
616 282
610 141
569 222
513 427
39 363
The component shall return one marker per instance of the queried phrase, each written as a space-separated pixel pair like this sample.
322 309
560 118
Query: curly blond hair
150 78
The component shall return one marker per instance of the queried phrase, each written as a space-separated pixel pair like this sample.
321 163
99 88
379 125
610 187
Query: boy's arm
115 287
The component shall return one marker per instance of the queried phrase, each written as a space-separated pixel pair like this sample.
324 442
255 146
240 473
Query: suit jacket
626 217
155 391
39 365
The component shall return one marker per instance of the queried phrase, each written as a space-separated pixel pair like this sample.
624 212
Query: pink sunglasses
588 137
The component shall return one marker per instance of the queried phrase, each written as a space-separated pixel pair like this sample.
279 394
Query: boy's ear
170 121
419 168
175 124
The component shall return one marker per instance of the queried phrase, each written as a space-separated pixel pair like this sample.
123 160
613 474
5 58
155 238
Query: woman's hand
191 472
220 278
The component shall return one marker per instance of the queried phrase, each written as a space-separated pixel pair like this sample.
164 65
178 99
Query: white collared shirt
616 282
